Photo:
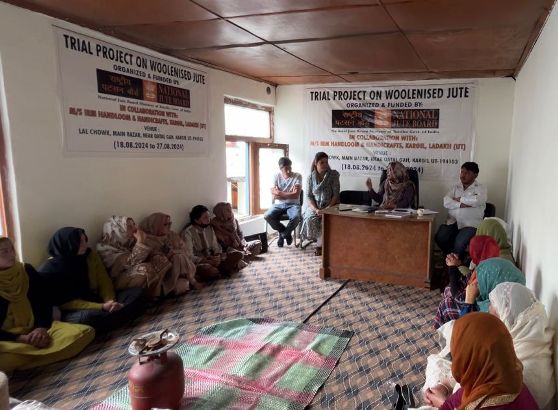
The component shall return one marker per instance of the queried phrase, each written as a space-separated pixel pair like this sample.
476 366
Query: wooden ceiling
318 41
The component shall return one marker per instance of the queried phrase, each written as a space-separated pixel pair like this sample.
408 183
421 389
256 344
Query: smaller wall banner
427 127
117 100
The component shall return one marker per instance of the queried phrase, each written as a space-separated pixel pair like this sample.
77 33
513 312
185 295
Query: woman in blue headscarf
489 274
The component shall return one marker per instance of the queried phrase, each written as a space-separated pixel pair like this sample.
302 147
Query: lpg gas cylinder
156 380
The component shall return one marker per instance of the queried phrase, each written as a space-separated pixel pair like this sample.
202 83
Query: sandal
318 251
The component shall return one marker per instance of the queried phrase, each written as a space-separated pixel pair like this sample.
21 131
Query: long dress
321 192
131 264
22 308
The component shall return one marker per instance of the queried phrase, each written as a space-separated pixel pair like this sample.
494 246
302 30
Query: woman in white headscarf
130 262
527 321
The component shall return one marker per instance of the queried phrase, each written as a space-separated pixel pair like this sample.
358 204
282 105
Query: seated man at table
286 196
465 202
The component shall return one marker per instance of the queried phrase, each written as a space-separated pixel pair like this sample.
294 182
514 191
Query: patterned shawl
324 190
226 227
395 184
484 360
14 285
153 224
115 241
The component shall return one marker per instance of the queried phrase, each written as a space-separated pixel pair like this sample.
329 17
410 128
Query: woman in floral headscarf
167 243
131 263
398 191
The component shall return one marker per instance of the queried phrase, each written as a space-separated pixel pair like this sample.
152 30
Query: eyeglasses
167 224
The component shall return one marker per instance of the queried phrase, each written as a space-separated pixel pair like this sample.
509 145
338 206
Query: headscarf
527 321
483 247
115 241
14 285
153 224
395 184
492 227
66 270
483 359
492 272
225 226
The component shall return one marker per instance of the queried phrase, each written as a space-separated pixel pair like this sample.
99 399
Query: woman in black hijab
80 286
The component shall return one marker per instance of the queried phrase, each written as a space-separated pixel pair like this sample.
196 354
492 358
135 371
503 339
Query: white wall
533 196
54 190
491 151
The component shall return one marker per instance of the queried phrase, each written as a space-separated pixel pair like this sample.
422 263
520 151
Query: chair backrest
414 177
489 210
354 197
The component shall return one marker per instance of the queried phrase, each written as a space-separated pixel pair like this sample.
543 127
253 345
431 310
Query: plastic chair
489 210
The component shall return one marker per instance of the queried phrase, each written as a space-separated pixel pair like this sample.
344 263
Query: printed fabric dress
322 193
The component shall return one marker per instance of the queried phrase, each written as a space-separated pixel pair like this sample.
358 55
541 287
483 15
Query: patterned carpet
393 334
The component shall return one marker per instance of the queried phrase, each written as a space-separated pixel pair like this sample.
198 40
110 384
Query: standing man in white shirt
465 202
286 200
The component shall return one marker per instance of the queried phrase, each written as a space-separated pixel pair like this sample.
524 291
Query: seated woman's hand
112 306
437 395
472 292
453 260
369 183
38 337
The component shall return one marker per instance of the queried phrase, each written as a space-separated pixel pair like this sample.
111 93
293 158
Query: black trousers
134 301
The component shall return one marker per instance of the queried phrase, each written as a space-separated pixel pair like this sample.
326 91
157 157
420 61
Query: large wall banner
117 100
428 127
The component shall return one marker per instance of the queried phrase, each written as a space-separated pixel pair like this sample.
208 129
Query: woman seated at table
487 380
28 336
130 262
167 243
228 232
81 287
397 191
322 191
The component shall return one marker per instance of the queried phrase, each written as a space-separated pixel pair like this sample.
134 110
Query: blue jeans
451 239
273 216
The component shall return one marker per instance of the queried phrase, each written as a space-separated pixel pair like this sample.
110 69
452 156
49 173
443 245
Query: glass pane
246 122
267 169
237 177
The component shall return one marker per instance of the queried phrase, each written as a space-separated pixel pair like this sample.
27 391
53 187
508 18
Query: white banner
117 100
427 127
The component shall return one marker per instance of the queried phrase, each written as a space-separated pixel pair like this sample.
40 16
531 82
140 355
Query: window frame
254 144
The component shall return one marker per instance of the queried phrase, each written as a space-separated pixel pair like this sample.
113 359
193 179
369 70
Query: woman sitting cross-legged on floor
228 232
485 364
81 287
211 262
322 191
167 243
480 249
28 336
130 262
527 321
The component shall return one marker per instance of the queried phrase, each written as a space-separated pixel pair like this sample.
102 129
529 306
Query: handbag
403 397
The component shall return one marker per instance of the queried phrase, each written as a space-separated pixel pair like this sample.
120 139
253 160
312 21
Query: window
251 155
